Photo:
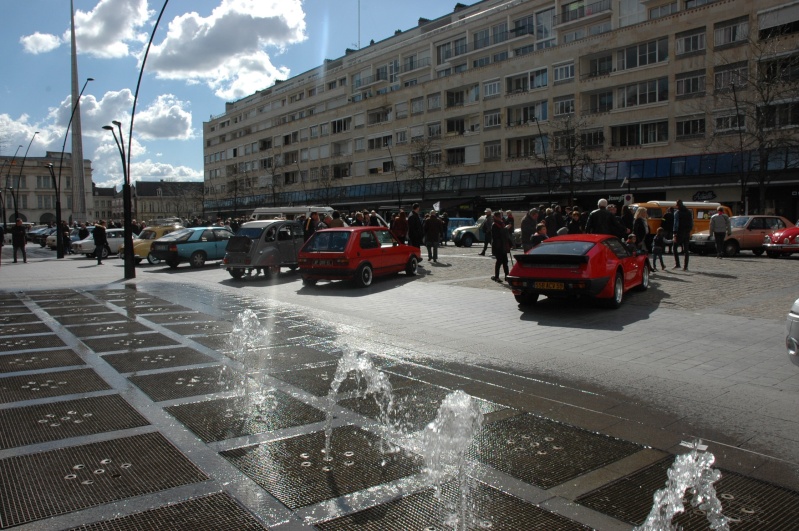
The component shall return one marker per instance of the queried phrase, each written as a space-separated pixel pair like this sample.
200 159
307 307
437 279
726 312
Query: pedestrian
2 239
445 233
721 229
19 239
528 224
683 225
358 220
641 228
628 220
415 228
374 221
540 235
400 226
573 226
100 242
510 222
668 226
326 223
500 245
83 232
337 221
602 221
432 235
486 228
659 243
310 225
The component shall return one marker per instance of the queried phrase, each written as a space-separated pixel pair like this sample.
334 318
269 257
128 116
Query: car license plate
549 285
323 262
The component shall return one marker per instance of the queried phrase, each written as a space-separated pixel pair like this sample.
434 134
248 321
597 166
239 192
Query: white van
289 212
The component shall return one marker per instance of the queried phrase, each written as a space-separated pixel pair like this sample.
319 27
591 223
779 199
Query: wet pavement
132 405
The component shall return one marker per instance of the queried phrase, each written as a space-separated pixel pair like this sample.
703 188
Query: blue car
196 245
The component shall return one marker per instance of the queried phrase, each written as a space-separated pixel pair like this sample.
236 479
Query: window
434 130
456 156
492 88
492 118
564 72
647 53
331 85
639 134
380 142
492 151
314 131
564 105
782 70
736 74
444 52
482 61
779 115
601 102
690 42
324 129
341 125
481 39
691 84
499 56
663 11
731 32
593 139
600 66
401 109
543 26
402 137
417 106
730 122
360 144
460 46
538 78
691 127
455 125
434 101
499 33
646 92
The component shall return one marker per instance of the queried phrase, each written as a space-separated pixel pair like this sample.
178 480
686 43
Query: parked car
116 237
355 253
40 236
596 266
467 235
783 242
267 245
141 244
748 234
32 230
196 245
52 243
792 337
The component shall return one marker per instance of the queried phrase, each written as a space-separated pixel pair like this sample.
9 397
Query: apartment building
512 103
28 188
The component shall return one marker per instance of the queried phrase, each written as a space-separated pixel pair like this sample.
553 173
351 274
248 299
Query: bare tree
756 89
424 162
273 181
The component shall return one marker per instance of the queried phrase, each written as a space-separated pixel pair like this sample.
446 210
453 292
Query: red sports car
783 242
590 265
355 253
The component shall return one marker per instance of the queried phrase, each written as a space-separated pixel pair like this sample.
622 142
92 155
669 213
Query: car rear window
252 233
567 247
327 241
178 236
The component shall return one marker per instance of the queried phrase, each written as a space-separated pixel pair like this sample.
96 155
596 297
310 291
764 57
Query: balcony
416 64
581 12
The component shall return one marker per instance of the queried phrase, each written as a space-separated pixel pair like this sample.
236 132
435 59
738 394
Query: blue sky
205 52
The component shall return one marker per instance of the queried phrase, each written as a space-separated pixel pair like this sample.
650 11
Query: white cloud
226 50
106 30
39 43
165 118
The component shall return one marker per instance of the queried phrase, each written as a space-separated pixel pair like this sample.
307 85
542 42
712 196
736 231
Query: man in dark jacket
683 225
415 227
19 240
601 221
100 241
432 234
528 228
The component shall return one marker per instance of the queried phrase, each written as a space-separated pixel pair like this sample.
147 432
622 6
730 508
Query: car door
754 233
221 236
629 262
395 256
370 250
285 244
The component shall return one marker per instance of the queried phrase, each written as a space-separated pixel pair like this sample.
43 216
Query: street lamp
19 177
60 248
9 187
130 268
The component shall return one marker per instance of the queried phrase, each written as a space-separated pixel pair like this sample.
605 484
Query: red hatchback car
355 253
590 265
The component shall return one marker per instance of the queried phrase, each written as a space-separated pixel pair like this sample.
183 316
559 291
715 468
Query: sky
205 53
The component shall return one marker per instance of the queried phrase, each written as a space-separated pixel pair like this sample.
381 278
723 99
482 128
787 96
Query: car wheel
410 267
731 248
309 282
772 254
644 280
173 264
236 273
758 252
618 291
526 299
152 259
364 276
197 259
467 240
103 253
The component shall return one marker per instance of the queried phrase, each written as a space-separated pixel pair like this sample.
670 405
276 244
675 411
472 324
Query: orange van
700 210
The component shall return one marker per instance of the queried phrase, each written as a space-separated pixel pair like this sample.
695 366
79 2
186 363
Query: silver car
792 337
263 246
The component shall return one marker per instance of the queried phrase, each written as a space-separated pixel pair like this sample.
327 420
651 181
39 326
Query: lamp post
19 177
60 248
9 186
130 268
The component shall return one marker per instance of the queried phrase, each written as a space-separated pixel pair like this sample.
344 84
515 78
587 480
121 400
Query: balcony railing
569 15
407 66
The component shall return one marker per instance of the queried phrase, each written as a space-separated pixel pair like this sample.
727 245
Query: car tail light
173 248
342 261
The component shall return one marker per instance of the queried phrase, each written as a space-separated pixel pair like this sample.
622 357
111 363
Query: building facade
103 199
512 103
29 190
163 199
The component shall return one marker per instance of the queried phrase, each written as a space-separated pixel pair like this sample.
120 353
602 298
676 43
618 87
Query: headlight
767 239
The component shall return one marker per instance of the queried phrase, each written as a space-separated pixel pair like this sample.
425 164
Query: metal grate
66 303
184 317
192 382
488 508
749 503
217 512
283 358
294 470
15 343
72 418
93 319
543 452
104 329
317 380
156 359
18 318
146 308
128 342
217 420
50 384
210 327
12 309
413 408
46 484
39 360
77 310
51 294
25 328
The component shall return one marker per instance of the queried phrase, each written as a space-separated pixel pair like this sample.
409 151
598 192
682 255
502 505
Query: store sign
707 195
